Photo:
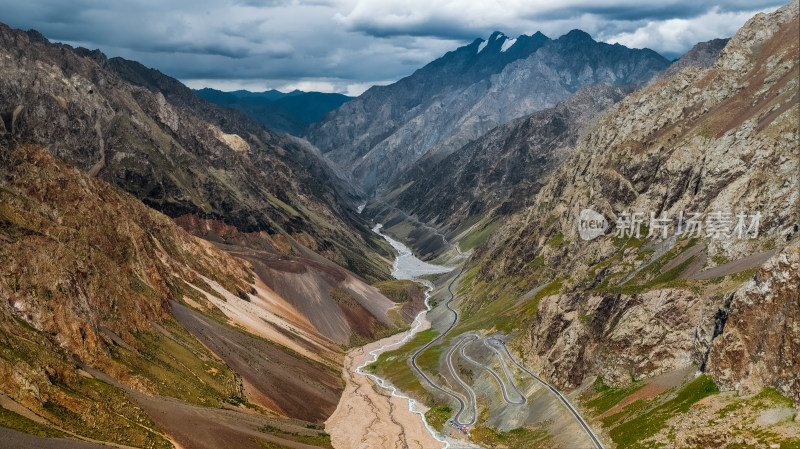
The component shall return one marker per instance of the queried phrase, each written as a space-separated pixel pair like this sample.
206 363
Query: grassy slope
658 421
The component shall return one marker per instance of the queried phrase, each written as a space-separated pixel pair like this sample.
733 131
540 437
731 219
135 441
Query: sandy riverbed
368 416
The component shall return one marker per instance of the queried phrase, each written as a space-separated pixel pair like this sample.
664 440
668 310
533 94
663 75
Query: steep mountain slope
290 113
722 139
91 285
333 301
150 135
465 93
465 194
702 55
629 307
500 169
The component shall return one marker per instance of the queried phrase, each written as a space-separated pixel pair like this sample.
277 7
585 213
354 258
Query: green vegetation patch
556 240
18 422
517 438
631 433
179 366
319 439
101 411
767 398
607 397
437 416
478 235
394 365
379 331
96 409
399 291
344 297
550 289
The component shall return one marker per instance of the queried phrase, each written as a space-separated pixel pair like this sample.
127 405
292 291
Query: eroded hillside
152 136
105 299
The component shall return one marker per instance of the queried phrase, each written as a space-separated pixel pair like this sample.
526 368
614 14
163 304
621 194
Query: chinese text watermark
715 225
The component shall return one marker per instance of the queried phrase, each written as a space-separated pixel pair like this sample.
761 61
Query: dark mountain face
702 55
462 95
502 169
152 136
281 112
499 172
271 94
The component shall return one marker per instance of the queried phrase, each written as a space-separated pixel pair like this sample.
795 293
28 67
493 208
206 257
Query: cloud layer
348 45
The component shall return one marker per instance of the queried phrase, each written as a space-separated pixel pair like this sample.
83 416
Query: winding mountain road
505 369
497 343
492 343
473 400
471 338
459 399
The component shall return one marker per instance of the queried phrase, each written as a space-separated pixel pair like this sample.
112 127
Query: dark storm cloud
651 11
345 45
432 27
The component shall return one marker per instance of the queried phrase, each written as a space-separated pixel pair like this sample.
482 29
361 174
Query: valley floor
369 416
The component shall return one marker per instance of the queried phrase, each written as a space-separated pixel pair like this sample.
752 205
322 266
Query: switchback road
497 343
462 404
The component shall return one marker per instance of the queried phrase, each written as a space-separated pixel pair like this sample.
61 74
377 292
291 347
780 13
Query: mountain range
119 325
153 137
658 339
197 269
290 112
494 175
465 93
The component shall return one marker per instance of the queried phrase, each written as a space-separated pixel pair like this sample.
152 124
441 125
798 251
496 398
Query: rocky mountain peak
36 37
702 55
577 36
496 35
465 93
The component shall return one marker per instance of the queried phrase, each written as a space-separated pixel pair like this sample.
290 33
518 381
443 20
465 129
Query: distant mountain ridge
272 94
502 169
465 93
495 175
289 112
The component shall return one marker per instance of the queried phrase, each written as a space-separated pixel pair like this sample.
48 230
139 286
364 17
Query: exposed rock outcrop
502 169
720 139
760 342
620 337
465 93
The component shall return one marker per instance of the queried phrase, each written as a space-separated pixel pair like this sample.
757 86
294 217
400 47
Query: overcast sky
348 45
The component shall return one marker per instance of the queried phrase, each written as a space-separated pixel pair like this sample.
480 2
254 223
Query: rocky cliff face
720 139
80 255
760 342
153 137
619 336
501 169
464 94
